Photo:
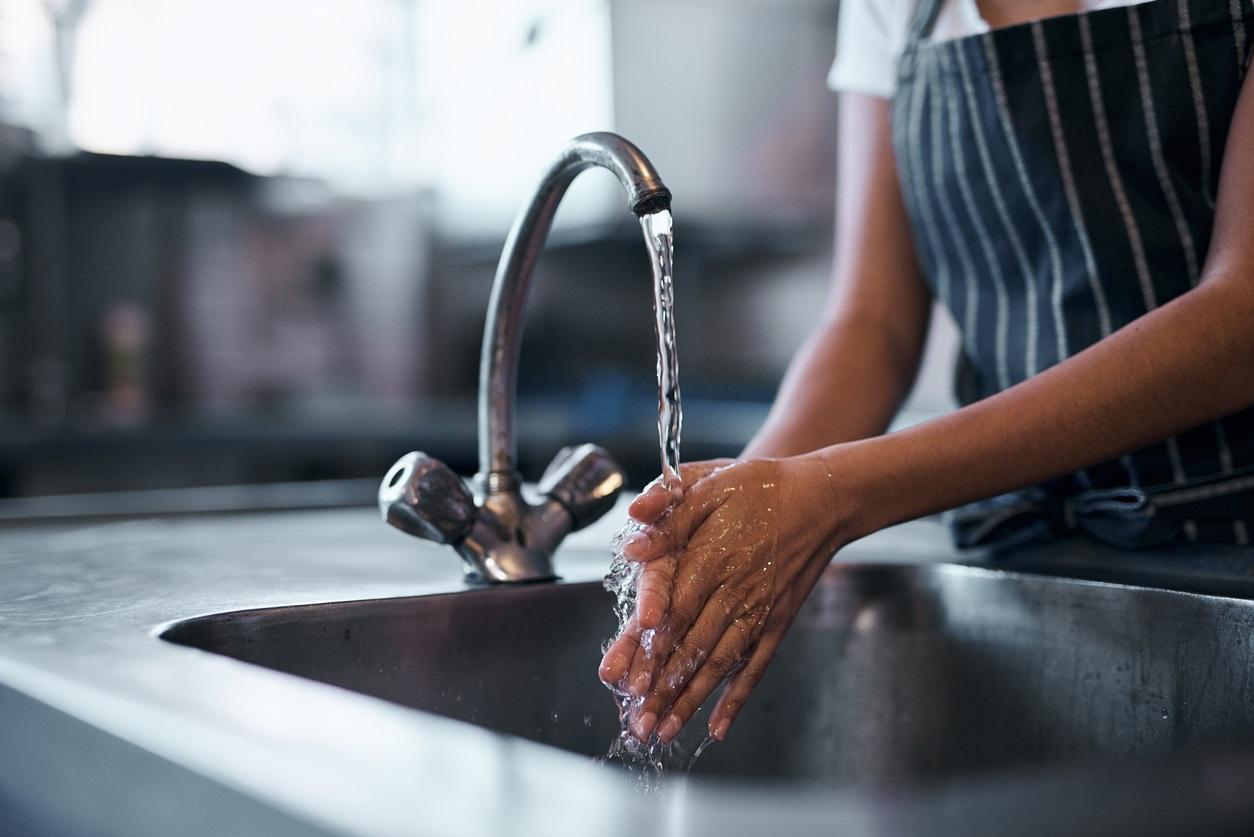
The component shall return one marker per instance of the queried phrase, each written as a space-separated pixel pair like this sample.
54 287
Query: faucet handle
421 496
585 480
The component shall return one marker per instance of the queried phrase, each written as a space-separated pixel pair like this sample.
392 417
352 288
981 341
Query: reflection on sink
892 675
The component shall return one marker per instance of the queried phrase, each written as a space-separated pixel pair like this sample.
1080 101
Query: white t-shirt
872 33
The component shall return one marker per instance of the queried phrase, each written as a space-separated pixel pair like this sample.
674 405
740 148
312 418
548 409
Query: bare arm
755 536
1183 364
850 376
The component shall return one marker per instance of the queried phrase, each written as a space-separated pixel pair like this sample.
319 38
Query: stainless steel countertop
105 729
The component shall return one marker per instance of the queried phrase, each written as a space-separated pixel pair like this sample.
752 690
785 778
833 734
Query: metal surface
86 688
502 537
511 539
891 676
422 497
216 499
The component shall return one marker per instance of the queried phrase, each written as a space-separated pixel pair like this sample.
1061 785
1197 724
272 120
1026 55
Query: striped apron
1060 180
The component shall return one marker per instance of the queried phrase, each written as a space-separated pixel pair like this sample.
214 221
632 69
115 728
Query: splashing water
646 761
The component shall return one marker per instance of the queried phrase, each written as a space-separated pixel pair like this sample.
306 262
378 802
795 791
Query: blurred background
252 241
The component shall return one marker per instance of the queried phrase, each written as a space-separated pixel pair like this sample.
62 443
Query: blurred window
304 87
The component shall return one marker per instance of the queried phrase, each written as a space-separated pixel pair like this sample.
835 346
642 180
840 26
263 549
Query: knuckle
753 671
721 662
683 611
676 675
684 659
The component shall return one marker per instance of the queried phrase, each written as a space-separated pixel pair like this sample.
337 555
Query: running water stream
646 761
658 237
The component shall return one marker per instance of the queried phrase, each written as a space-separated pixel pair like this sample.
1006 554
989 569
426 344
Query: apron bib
1060 179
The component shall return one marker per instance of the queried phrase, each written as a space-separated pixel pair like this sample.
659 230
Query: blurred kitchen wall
253 240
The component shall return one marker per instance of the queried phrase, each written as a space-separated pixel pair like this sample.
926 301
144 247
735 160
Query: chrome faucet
502 536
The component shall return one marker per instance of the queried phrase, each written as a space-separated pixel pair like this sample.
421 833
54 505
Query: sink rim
1131 581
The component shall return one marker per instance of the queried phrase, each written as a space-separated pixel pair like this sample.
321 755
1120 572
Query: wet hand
652 510
748 541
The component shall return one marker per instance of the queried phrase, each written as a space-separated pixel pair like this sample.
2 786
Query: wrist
862 485
826 495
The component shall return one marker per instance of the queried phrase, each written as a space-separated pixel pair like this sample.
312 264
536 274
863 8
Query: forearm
845 383
1181 365
849 378
1186 363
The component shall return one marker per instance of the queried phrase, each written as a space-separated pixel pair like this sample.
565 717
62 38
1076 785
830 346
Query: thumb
668 534
656 498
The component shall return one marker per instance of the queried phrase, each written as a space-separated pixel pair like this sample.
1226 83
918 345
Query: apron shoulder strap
925 14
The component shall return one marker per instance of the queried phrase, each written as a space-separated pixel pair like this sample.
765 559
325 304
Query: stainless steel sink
892 676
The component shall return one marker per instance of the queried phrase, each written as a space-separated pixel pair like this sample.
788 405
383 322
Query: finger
674 627
742 684
689 655
687 599
670 533
618 657
654 592
640 677
651 503
722 661
737 691
656 498
647 544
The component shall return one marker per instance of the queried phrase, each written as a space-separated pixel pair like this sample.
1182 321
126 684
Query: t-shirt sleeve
866 52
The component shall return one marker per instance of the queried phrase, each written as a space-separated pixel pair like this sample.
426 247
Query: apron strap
925 15
1129 518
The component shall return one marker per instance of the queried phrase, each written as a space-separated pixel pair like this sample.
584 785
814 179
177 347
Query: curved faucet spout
498 364
502 536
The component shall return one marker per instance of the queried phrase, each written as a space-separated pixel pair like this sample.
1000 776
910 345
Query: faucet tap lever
421 496
585 480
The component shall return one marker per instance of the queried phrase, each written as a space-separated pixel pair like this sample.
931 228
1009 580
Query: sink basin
892 675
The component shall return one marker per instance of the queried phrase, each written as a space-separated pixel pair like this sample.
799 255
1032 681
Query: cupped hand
748 541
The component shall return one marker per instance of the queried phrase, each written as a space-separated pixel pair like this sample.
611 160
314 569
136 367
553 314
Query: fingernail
670 728
644 725
719 732
640 683
635 545
610 666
